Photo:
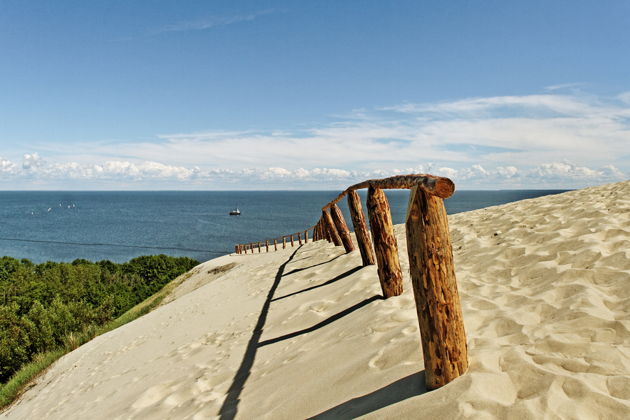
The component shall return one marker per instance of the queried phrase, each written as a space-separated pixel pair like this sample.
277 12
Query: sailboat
235 212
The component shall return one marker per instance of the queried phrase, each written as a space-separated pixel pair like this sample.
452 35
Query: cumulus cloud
499 141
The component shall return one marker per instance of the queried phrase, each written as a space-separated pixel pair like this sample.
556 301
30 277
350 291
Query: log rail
432 272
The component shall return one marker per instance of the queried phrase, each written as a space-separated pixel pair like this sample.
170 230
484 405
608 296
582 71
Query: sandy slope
545 288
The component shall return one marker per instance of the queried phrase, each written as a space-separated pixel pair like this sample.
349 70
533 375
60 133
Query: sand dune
302 332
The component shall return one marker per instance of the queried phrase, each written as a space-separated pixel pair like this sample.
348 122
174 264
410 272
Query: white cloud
500 141
565 169
211 22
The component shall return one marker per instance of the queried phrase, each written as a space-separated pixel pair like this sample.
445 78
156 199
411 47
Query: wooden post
360 228
284 242
320 231
306 236
259 247
275 244
299 235
342 228
330 228
385 245
291 240
267 245
435 289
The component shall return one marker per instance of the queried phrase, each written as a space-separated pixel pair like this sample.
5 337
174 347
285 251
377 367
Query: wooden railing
430 260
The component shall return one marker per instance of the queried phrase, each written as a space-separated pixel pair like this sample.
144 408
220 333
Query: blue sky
312 94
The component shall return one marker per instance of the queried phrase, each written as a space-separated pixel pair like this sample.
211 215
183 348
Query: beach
303 332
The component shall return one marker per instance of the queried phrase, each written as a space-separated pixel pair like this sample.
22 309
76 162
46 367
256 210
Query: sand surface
302 332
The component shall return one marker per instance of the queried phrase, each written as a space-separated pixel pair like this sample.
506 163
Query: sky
251 95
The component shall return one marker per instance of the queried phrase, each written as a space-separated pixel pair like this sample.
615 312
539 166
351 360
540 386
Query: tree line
42 305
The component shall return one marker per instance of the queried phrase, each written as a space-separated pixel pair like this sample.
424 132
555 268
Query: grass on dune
21 380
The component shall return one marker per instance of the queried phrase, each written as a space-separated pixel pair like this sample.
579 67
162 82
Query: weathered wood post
360 228
284 242
306 236
267 245
322 230
385 245
342 228
291 240
259 247
299 235
331 229
275 244
435 289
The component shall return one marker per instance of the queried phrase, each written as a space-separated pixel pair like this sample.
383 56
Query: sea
117 226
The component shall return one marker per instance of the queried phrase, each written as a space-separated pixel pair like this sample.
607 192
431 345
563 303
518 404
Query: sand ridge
302 332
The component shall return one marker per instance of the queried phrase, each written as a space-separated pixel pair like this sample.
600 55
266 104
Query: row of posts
302 237
430 264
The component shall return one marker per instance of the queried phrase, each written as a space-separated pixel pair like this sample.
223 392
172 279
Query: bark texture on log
326 231
360 229
342 228
385 245
331 229
431 184
435 290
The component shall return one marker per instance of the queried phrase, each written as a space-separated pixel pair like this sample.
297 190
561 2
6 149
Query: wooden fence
430 260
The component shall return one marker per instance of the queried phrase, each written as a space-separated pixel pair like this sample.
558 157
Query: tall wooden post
385 245
291 240
331 229
267 245
360 228
275 244
435 289
284 242
259 247
342 228
299 234
306 236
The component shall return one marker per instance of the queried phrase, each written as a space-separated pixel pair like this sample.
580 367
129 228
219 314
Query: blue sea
117 226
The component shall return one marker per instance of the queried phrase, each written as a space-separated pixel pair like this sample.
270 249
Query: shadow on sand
325 322
229 408
334 279
407 387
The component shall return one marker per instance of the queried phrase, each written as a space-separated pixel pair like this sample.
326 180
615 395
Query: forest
43 305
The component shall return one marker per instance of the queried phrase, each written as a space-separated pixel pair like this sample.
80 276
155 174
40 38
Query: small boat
235 212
